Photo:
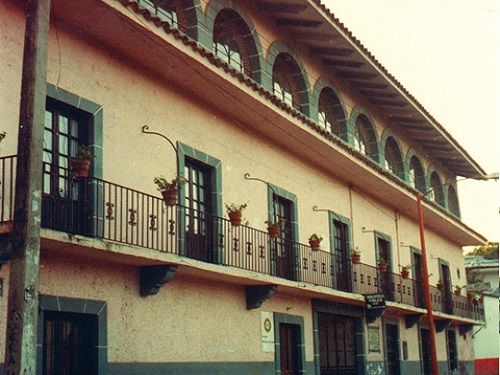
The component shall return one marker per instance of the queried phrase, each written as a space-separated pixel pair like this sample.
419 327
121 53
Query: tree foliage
489 250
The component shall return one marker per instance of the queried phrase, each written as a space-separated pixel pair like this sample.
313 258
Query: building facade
482 277
270 104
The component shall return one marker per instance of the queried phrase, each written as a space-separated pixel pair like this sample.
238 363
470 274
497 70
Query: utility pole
20 348
427 289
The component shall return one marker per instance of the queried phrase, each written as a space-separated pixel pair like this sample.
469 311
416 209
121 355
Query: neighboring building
280 91
482 275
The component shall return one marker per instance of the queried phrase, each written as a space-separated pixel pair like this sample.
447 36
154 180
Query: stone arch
279 52
452 198
397 150
323 86
363 130
249 41
187 17
419 180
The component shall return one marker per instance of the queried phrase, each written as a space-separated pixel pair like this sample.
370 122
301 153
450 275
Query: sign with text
375 301
267 331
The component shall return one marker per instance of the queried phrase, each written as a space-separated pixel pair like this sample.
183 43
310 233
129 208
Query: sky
446 53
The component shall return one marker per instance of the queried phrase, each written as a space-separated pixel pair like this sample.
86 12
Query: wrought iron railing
98 208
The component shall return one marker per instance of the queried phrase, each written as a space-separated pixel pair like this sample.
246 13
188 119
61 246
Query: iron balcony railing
98 208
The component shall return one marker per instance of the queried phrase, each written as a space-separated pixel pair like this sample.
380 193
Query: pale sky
447 55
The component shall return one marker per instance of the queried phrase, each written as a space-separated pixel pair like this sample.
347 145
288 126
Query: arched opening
331 115
180 14
365 139
288 82
416 174
393 160
436 194
453 206
233 42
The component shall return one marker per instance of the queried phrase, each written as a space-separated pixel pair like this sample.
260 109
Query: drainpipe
427 289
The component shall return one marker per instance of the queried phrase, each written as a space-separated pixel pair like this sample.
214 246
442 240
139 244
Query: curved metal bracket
145 130
316 209
248 177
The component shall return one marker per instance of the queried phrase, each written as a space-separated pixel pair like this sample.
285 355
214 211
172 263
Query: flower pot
382 267
458 291
273 231
80 168
470 296
235 217
169 196
356 258
439 286
314 243
405 273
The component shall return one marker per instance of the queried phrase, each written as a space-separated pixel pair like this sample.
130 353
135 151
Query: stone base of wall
486 366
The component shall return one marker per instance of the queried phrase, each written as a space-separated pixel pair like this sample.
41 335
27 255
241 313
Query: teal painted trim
79 306
430 171
280 318
256 58
95 114
184 151
192 368
380 235
352 130
384 137
274 50
451 197
295 217
323 83
340 309
409 155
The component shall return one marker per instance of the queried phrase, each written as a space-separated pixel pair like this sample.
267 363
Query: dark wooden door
340 259
418 279
65 203
337 344
199 218
70 344
451 342
385 277
446 291
290 349
283 247
392 349
425 350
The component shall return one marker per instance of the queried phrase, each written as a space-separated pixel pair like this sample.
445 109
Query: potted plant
235 213
169 189
314 241
355 256
80 164
457 290
470 296
274 228
405 271
382 265
440 285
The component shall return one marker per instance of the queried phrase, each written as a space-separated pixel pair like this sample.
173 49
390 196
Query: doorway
392 349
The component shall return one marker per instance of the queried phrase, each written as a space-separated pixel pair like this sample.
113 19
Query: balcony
100 209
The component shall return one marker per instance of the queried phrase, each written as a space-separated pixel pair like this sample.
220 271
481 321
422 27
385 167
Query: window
341 267
233 42
436 193
453 201
416 175
199 218
288 83
365 140
163 9
72 338
330 113
70 343
65 129
337 344
451 343
392 158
